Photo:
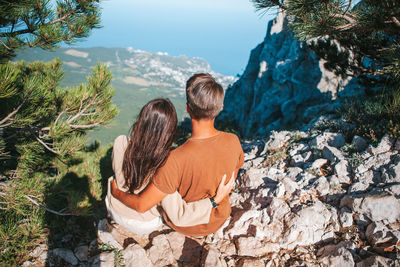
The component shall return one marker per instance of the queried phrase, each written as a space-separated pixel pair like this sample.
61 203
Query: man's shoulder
230 135
231 138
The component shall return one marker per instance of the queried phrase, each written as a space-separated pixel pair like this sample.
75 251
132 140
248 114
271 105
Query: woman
136 160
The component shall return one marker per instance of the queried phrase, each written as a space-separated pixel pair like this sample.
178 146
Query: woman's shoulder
121 142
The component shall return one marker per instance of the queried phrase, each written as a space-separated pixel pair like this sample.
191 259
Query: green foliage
50 186
78 188
43 23
40 120
374 116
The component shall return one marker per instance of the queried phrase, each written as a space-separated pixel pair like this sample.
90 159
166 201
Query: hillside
139 76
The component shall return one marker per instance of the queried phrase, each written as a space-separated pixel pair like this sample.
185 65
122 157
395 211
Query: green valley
138 76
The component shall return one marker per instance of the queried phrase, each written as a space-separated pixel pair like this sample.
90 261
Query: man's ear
188 109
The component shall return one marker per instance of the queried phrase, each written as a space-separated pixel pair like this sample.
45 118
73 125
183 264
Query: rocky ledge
301 199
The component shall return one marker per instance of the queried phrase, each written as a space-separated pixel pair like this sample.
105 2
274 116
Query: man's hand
224 189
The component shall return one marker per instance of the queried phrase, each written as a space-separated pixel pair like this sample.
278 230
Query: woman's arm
142 202
152 195
185 214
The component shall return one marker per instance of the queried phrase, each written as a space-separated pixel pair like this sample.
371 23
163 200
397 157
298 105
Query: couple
185 181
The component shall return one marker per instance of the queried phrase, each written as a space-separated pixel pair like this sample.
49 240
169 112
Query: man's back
195 170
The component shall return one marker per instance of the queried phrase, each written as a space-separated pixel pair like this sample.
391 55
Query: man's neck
203 129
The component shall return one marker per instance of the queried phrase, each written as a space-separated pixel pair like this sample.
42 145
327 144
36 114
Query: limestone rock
254 178
328 139
160 253
65 254
254 247
308 226
213 258
377 261
332 153
251 262
281 76
384 145
375 207
343 171
135 256
104 234
346 217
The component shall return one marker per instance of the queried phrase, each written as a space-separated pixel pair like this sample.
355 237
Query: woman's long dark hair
150 142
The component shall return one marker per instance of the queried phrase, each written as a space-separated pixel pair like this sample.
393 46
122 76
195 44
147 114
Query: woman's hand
224 189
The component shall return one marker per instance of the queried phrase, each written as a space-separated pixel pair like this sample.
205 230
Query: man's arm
142 202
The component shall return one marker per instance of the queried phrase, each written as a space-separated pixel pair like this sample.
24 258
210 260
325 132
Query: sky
222 32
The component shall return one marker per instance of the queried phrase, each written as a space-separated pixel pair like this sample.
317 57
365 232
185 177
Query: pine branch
46 208
32 29
15 111
348 8
86 126
82 110
4 44
45 145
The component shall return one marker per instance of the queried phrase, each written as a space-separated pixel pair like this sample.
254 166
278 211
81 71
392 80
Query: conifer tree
360 40
38 119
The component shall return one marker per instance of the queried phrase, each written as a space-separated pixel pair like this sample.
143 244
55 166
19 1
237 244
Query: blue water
220 31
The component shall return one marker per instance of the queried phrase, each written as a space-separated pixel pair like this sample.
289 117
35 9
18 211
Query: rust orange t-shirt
195 170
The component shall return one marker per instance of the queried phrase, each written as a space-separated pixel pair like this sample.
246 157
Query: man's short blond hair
204 96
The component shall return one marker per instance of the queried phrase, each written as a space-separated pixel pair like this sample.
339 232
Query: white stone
176 241
280 190
294 172
384 145
376 261
241 226
379 232
252 263
337 256
318 163
375 207
135 256
346 217
254 178
328 139
38 250
300 148
278 140
343 171
278 209
103 233
213 258
332 153
290 186
322 186
254 247
160 253
65 254
308 226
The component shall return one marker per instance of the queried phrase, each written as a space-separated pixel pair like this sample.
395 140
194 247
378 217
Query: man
195 168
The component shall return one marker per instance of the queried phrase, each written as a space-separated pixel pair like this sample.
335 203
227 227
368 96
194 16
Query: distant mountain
284 85
139 76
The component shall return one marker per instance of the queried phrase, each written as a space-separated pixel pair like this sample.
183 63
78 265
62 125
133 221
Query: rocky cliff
284 84
301 199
